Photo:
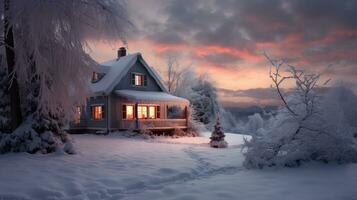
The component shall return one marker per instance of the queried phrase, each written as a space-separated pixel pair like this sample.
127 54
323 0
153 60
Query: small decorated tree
217 137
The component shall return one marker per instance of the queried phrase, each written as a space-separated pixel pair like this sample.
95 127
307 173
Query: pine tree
217 137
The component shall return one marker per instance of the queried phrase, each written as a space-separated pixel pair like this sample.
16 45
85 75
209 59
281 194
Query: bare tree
173 73
305 85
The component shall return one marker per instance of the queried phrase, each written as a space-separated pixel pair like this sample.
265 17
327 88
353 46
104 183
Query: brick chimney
121 52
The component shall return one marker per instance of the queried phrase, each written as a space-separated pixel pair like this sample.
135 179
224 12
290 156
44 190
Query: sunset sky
226 38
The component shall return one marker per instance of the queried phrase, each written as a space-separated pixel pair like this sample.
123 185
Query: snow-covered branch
53 35
49 61
309 126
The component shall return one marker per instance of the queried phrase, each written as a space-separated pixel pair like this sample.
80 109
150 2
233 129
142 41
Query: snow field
113 167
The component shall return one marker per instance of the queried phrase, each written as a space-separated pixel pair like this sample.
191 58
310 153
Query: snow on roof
115 70
148 96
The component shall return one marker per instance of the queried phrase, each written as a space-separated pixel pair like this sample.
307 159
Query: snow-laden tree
188 79
217 136
46 52
202 94
311 126
255 122
204 100
228 121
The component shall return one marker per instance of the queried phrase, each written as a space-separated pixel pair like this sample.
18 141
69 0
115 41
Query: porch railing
154 124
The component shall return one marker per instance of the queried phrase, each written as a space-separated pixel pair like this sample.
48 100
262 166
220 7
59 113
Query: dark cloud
254 93
167 37
241 24
327 12
220 58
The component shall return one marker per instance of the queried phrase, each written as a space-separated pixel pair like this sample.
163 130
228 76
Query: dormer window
95 77
138 79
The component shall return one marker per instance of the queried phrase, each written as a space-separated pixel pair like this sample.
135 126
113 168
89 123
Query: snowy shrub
146 131
194 127
178 132
69 148
309 127
26 139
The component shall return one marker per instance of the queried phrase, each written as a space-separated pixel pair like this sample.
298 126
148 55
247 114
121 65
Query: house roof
116 69
149 96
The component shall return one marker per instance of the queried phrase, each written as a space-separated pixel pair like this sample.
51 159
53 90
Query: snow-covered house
128 94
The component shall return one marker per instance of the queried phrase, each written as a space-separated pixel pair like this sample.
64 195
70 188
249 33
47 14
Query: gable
117 71
138 67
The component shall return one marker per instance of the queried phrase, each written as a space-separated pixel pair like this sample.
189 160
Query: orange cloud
243 54
202 50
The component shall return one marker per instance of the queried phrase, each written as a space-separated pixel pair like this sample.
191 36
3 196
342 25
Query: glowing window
142 112
138 79
97 112
129 112
152 112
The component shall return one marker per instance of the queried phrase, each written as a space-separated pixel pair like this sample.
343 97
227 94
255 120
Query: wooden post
108 113
136 116
186 113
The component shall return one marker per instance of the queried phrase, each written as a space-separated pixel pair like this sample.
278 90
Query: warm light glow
142 112
152 112
138 79
97 112
129 112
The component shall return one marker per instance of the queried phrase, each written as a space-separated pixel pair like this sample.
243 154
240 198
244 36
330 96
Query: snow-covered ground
113 167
